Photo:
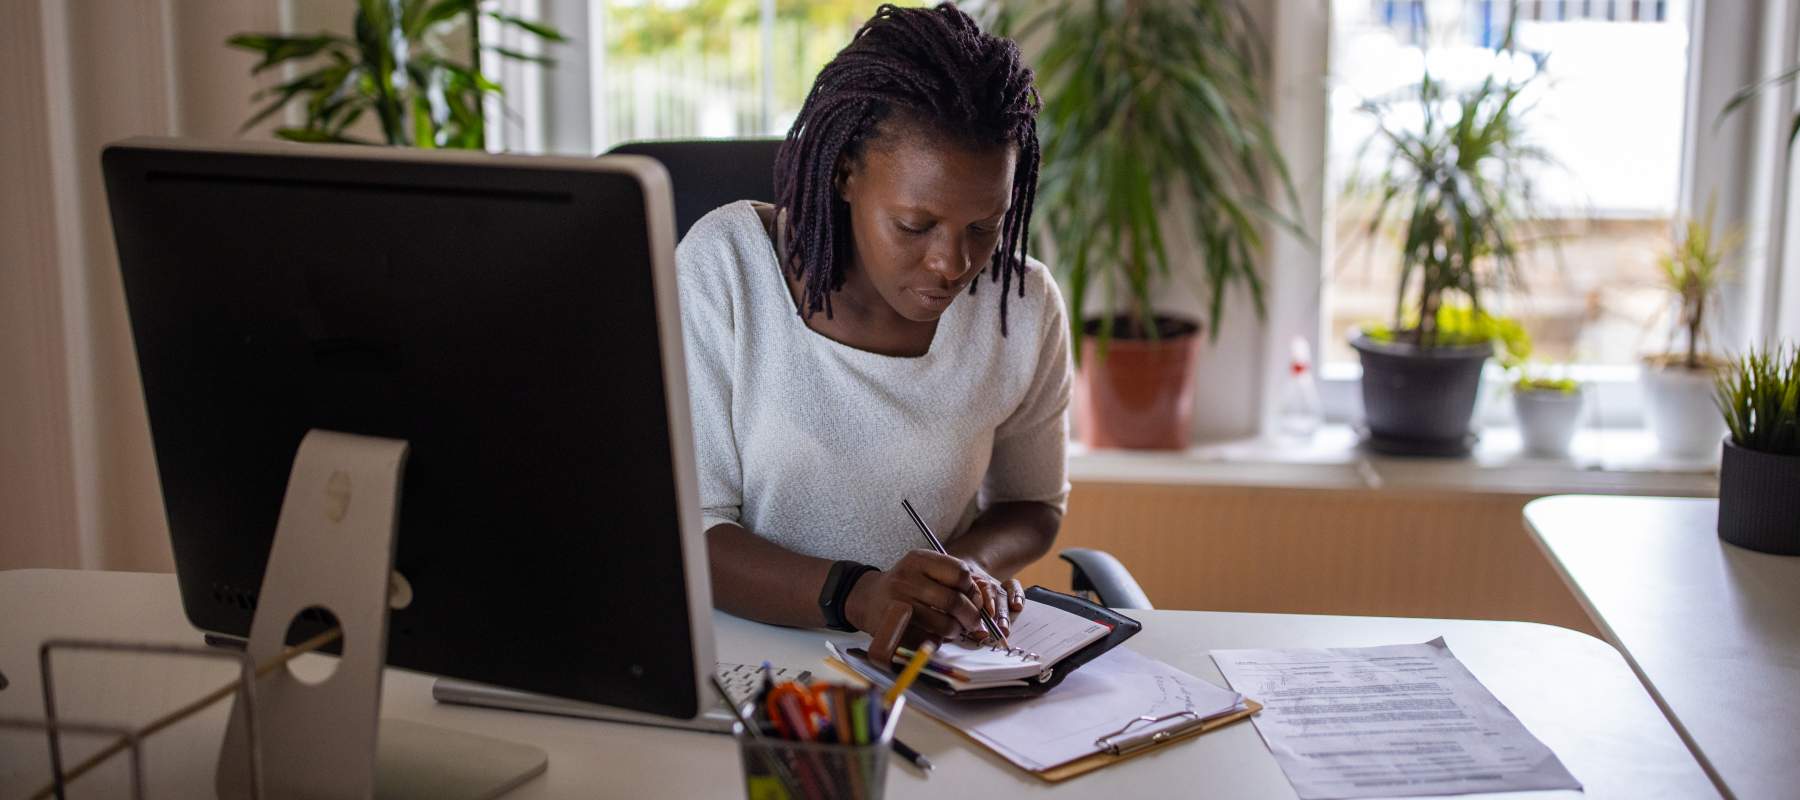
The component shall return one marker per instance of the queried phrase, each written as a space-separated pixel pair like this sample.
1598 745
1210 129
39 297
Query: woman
841 359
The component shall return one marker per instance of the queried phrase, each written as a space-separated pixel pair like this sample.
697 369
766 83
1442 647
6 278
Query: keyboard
741 680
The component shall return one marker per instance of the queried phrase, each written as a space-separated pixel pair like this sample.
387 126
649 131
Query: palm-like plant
1458 187
1145 100
1692 271
1748 93
398 66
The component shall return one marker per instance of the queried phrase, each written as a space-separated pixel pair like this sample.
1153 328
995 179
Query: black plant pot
1419 401
1759 500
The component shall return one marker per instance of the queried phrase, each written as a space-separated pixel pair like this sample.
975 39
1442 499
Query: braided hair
933 70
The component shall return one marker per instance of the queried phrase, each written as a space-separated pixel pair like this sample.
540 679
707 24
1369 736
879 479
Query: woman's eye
985 230
912 228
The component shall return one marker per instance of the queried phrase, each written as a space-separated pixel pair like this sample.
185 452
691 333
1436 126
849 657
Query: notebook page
1050 632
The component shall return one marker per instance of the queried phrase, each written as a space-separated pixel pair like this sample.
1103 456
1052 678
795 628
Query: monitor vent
227 595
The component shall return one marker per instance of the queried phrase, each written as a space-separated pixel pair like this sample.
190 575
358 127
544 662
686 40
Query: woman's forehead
942 177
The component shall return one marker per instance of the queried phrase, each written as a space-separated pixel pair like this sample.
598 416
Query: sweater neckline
776 280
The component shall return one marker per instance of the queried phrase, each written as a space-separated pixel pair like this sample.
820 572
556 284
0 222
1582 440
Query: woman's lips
934 299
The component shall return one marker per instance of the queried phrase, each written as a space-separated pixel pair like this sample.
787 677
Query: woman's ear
843 179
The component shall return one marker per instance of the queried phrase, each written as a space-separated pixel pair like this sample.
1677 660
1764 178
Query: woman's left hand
1001 599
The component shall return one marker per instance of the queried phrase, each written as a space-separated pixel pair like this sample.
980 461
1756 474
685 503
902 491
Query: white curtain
78 483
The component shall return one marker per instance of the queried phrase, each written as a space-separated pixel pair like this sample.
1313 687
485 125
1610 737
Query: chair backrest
708 173
1099 574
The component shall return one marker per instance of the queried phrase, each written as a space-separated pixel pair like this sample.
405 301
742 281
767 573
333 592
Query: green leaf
311 135
437 13
544 31
1744 95
277 49
516 55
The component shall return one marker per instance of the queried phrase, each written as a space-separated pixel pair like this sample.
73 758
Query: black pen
912 756
938 544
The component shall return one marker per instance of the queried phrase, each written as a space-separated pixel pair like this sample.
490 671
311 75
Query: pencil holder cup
780 769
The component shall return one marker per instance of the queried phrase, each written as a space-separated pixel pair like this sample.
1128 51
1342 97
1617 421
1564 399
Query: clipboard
1151 741
1138 736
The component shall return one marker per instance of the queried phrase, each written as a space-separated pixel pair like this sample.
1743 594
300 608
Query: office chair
1108 582
708 173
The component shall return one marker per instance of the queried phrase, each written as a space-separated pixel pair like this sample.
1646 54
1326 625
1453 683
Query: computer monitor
512 318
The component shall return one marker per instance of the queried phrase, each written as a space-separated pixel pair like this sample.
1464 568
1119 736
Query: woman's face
926 218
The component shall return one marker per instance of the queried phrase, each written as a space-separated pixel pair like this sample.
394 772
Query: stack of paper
1388 721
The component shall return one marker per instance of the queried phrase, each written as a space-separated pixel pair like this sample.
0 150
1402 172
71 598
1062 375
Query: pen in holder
782 769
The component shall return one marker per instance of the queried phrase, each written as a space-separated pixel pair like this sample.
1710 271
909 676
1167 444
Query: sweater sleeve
1030 459
708 325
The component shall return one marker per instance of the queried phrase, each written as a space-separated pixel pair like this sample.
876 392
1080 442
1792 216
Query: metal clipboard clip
1156 730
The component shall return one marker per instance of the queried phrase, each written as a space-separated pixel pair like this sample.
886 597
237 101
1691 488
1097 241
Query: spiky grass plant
1759 393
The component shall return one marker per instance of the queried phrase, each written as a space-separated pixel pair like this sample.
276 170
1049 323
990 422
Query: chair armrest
1098 572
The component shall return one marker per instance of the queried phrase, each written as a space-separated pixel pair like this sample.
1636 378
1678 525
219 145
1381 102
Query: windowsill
1608 461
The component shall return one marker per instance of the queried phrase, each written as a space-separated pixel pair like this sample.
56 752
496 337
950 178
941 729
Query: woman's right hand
940 591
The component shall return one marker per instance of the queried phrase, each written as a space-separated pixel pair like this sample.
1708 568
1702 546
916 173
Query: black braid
934 67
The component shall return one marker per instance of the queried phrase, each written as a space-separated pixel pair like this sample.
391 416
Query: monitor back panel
501 319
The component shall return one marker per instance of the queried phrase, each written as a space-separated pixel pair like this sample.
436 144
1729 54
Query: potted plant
1455 183
1759 474
1548 410
1678 383
400 66
1148 106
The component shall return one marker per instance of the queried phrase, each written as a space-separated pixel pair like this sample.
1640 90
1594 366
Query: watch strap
836 592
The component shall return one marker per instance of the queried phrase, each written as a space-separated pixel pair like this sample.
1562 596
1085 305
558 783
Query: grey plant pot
1547 420
1759 500
1417 395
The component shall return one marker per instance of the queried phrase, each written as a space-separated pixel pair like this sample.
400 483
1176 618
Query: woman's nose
950 259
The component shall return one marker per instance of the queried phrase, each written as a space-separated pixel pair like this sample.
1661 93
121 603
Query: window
676 69
1608 108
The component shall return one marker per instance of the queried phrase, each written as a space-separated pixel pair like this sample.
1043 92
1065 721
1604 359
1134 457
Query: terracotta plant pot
1141 394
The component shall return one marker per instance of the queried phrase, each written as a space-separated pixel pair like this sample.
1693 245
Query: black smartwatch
836 592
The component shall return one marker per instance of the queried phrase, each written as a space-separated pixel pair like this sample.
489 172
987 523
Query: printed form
1387 721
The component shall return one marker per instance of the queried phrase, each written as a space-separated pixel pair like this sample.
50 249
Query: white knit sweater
812 444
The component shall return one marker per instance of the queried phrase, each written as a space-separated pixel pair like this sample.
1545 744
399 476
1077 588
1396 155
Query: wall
77 480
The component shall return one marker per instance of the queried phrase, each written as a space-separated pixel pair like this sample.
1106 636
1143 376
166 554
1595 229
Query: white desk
1713 629
1571 690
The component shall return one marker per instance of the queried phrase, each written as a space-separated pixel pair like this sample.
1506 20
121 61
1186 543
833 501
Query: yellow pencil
911 673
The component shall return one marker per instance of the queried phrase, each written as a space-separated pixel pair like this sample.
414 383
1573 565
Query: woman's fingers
1002 609
886 637
942 599
947 570
937 623
1015 595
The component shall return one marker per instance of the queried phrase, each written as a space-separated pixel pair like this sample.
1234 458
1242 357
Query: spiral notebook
1057 632
1045 636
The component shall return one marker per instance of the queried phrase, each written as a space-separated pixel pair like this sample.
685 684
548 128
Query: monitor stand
334 550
